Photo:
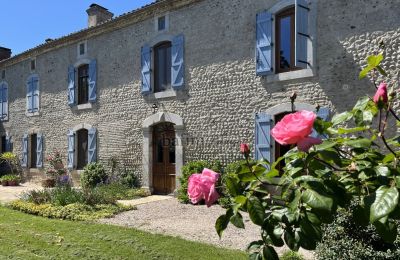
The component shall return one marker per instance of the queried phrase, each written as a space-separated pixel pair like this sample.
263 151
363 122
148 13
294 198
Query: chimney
4 53
97 15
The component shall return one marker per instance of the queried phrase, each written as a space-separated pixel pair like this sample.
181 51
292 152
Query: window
161 23
32 96
3 74
162 67
33 64
82 148
33 150
285 41
4 144
83 84
3 101
81 49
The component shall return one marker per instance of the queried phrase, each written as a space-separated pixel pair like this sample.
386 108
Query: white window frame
312 28
166 29
78 49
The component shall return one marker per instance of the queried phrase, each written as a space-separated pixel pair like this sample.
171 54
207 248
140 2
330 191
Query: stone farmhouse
182 80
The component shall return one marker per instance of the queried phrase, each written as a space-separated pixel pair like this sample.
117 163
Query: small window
285 40
3 74
162 67
33 65
83 84
161 23
81 48
33 150
82 148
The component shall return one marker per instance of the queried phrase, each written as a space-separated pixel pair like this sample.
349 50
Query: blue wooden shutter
263 143
71 149
4 101
92 81
29 95
71 86
24 161
177 65
8 144
264 44
302 34
92 145
323 113
35 93
39 151
146 70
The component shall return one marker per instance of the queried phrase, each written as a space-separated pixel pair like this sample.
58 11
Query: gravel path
189 222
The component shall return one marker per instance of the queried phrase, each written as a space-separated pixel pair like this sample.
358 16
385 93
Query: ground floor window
82 148
33 150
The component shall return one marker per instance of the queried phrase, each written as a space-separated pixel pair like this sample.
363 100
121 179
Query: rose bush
357 159
202 187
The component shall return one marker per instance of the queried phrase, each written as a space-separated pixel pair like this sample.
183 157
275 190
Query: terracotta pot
4 183
12 183
48 183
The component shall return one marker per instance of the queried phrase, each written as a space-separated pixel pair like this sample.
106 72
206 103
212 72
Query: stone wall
221 93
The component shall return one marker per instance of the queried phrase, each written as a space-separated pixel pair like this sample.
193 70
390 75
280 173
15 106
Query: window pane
162 73
161 23
83 75
33 150
285 42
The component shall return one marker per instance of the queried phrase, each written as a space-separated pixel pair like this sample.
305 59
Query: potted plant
54 171
10 180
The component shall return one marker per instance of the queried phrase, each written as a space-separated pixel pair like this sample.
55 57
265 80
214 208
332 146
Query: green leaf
222 222
385 202
362 103
365 71
310 230
237 220
270 253
342 131
317 201
358 143
382 170
375 60
232 186
381 71
241 200
387 231
256 210
292 240
340 118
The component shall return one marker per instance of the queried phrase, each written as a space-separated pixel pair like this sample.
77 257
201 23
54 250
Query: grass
25 236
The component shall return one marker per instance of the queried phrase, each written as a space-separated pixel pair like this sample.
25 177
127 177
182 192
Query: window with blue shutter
4 101
263 144
24 159
39 151
146 69
302 33
92 145
177 67
92 81
33 94
71 149
71 86
264 43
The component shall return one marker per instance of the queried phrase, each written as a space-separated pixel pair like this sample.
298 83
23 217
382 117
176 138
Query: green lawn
24 236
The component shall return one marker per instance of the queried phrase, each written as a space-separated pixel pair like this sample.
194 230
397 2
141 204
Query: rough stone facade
222 92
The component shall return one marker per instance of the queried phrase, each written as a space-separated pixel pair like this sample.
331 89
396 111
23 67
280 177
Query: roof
120 21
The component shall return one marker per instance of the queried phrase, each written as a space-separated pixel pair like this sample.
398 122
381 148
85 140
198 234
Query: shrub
95 196
191 168
291 255
118 191
37 196
130 178
64 195
343 239
93 175
75 211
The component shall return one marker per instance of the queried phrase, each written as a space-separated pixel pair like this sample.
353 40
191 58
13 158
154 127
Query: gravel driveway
189 222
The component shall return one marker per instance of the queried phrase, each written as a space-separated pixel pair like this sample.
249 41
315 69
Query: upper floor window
33 64
81 49
32 95
3 101
162 67
3 74
161 23
83 84
283 38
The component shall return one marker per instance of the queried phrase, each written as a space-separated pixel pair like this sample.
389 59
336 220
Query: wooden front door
164 158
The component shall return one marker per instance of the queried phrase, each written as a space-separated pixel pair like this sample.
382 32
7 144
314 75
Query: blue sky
27 23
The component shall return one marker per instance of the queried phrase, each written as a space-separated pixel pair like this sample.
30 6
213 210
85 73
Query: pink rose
244 149
195 191
381 94
210 175
295 128
212 196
